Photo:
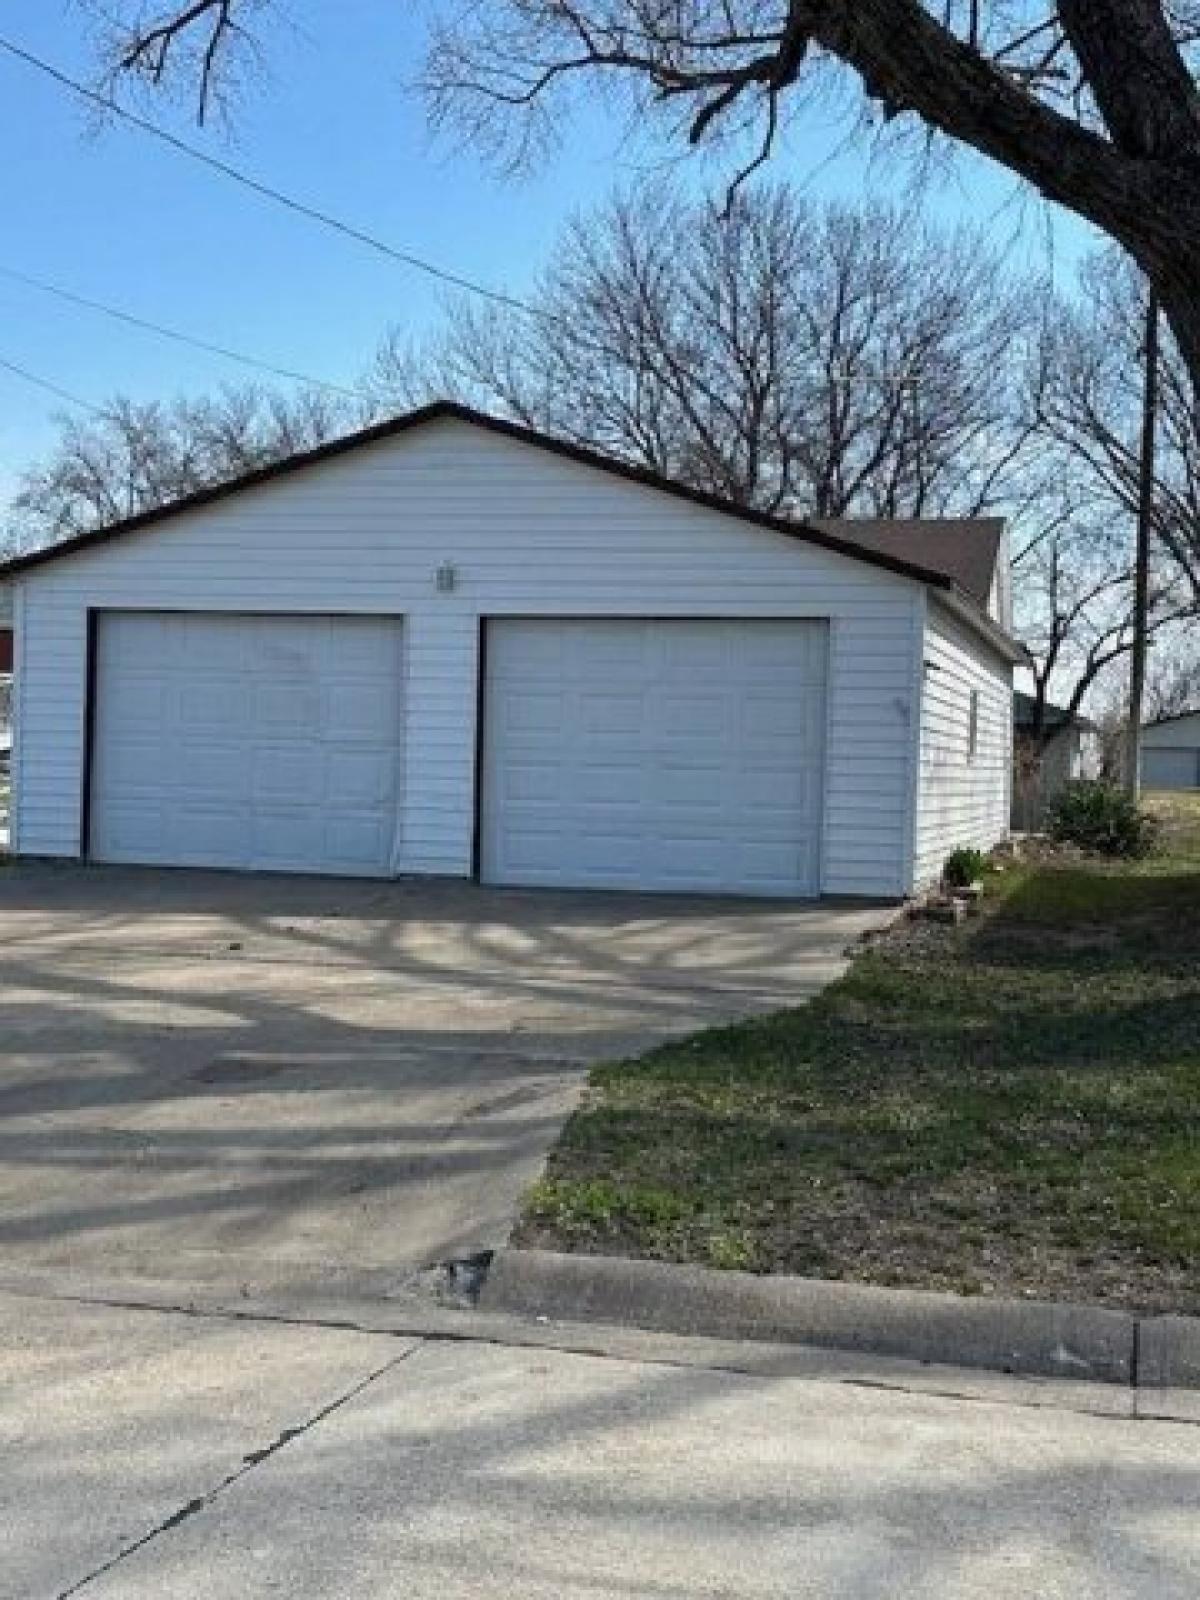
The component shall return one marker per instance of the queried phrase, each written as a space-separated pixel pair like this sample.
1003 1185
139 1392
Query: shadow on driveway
206 1075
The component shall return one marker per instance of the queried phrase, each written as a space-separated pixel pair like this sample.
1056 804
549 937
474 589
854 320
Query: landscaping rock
949 911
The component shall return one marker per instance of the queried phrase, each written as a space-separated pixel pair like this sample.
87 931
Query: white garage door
263 743
654 755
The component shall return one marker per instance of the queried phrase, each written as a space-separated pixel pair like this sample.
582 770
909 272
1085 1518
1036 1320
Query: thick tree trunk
1180 301
1141 186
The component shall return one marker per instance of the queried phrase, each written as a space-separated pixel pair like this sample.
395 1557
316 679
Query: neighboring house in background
1171 752
1069 748
451 645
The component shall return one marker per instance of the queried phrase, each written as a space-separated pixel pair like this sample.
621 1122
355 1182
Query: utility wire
179 337
265 190
314 214
52 388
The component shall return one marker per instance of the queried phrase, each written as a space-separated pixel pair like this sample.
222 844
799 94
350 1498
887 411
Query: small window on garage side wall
973 727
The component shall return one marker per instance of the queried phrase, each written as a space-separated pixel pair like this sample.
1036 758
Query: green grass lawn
1011 1107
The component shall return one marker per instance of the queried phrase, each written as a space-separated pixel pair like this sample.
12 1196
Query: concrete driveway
281 1081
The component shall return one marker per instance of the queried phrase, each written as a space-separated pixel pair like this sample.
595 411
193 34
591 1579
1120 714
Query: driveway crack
249 1462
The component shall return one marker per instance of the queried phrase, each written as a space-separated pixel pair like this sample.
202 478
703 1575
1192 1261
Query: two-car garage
660 754
451 646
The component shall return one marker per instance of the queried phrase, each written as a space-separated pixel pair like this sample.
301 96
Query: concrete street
150 1455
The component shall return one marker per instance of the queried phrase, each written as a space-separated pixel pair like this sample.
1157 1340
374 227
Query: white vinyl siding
529 533
658 755
963 797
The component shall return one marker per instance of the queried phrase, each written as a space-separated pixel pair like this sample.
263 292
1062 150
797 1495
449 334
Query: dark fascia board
453 411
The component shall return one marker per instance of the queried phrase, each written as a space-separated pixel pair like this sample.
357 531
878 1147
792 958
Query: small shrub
1096 815
963 867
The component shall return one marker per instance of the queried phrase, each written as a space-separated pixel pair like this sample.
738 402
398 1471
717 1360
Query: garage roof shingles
963 549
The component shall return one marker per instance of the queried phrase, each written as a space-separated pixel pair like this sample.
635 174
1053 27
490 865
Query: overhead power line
267 191
405 258
51 388
175 334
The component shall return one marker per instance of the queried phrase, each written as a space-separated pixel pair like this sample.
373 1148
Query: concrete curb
1036 1338
1169 1353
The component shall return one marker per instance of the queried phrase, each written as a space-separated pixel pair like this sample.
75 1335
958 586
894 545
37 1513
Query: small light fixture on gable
446 578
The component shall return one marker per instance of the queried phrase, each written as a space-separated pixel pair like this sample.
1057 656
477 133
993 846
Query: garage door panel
207 835
689 719
288 772
529 782
604 854
603 657
688 655
280 709
356 843
249 742
610 714
535 849
206 701
695 763
142 703
692 785
766 718
359 779
131 827
786 790
205 769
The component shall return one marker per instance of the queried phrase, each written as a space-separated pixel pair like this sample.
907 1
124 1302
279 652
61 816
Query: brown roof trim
449 410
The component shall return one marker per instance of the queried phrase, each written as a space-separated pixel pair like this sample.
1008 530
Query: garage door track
276 1080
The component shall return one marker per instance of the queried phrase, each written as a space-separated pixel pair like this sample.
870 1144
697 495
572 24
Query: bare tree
1173 685
1074 573
1092 102
798 360
1075 614
136 456
1088 401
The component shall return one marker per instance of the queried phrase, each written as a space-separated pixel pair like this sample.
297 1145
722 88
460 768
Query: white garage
253 742
452 646
657 755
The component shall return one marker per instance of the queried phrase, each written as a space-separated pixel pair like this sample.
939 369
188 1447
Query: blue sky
113 215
